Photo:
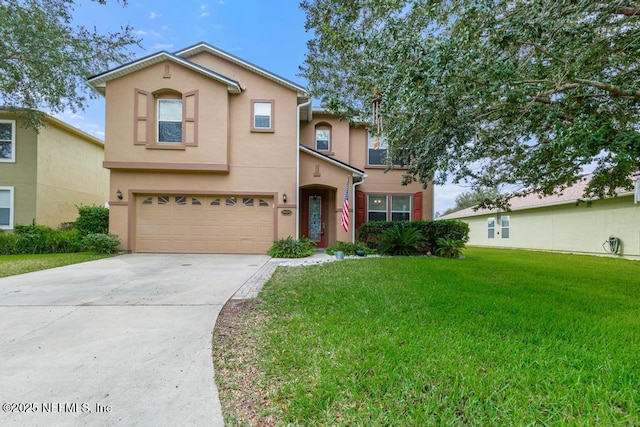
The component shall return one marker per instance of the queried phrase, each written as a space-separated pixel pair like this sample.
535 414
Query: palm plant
402 240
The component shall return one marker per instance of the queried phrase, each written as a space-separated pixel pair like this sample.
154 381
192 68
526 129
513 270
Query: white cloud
140 33
154 15
203 11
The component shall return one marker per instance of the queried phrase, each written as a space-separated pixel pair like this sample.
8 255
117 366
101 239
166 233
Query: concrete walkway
119 341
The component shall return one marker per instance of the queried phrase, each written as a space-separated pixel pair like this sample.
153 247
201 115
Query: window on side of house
169 121
323 138
504 227
6 208
377 207
7 141
262 116
491 228
400 208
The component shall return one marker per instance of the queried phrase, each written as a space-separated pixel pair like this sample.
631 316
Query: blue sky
268 33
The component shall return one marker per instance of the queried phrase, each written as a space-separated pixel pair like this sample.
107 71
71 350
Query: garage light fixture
284 197
119 194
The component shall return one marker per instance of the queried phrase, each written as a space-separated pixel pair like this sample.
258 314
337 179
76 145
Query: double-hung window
262 116
169 121
7 141
6 208
491 228
383 207
323 138
376 151
504 227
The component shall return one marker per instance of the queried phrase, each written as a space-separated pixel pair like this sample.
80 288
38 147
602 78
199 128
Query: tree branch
615 91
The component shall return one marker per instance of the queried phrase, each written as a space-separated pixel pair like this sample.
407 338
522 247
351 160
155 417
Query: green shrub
39 239
291 248
7 243
402 239
348 248
449 248
103 243
92 220
370 232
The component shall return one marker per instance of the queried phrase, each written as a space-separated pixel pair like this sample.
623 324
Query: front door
315 216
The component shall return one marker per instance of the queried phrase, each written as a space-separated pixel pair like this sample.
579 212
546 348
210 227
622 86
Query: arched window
323 137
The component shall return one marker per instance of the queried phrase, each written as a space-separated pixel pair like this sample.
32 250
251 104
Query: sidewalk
252 286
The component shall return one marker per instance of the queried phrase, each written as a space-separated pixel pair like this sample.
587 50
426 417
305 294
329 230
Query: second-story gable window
7 141
323 138
262 116
169 120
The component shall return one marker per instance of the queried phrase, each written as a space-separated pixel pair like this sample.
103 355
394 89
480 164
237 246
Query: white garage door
204 224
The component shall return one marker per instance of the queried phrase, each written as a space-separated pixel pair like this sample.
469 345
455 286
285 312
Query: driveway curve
118 341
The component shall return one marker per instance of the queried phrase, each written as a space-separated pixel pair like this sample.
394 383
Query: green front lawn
10 265
502 337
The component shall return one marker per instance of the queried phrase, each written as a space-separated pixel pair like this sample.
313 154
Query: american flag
345 209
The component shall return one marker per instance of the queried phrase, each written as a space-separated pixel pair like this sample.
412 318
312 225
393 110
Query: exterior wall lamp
119 194
284 197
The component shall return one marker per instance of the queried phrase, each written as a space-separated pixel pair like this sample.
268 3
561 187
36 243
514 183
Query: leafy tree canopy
45 59
476 197
514 92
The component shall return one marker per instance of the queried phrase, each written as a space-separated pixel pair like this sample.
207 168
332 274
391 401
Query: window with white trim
491 228
389 207
323 138
169 120
400 208
8 141
376 150
377 207
262 116
6 208
504 227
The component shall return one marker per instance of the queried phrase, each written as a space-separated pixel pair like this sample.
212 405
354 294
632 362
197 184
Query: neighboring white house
563 222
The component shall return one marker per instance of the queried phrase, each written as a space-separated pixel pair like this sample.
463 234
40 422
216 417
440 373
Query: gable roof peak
99 81
216 51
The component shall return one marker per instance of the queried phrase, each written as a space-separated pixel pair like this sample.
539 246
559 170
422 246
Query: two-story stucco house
44 175
210 153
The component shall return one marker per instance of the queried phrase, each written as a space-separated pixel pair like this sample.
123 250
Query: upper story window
165 119
323 137
262 116
169 120
6 208
377 149
7 141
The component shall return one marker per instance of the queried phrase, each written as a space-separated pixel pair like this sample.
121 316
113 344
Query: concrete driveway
124 340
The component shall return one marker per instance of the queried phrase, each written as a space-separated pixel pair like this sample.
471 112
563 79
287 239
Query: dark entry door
315 216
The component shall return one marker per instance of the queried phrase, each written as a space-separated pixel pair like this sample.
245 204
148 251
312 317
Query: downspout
305 104
353 194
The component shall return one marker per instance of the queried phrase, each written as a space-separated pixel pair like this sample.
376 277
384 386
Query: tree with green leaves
45 59
511 92
476 197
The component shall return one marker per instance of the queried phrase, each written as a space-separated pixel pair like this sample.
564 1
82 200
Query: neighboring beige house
559 223
43 176
209 153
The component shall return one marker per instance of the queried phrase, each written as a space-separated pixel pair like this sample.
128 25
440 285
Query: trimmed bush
370 232
92 220
291 248
104 243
